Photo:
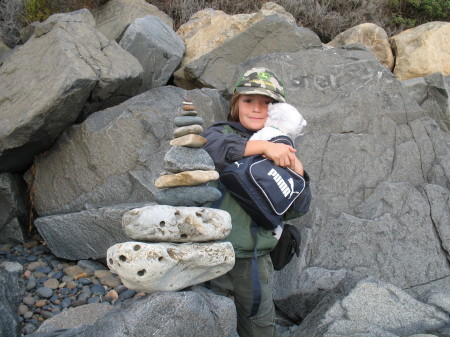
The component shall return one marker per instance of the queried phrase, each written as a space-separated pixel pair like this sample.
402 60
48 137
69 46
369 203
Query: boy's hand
281 154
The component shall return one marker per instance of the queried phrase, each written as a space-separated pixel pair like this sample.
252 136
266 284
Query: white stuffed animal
283 120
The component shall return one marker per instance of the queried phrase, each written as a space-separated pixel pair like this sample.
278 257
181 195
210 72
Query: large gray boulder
9 305
86 234
77 317
368 149
372 308
13 208
112 158
115 155
88 73
114 17
197 312
271 34
156 46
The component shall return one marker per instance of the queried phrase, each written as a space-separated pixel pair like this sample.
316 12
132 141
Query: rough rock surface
367 155
93 73
179 159
432 93
114 17
85 234
160 223
372 306
13 208
115 156
269 35
9 305
156 46
214 316
422 51
371 36
88 314
151 267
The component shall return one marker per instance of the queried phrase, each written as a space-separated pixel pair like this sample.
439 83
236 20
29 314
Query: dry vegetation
326 18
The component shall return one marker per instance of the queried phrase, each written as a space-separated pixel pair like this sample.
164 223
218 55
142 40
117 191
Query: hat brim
260 91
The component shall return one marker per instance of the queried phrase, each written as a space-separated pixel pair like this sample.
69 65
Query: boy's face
253 110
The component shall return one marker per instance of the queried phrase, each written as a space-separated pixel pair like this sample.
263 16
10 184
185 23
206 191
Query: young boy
226 144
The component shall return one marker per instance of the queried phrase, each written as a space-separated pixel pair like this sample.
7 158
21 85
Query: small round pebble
31 284
28 315
52 283
40 304
22 309
65 303
129 293
84 281
98 289
29 300
43 269
44 292
32 258
50 286
93 300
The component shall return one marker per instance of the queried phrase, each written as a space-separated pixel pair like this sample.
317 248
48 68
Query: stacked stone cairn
176 243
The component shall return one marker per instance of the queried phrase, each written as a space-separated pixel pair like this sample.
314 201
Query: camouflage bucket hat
261 81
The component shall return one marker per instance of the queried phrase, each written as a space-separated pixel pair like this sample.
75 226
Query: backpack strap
256 285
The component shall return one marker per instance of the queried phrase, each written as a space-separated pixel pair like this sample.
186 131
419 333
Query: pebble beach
50 285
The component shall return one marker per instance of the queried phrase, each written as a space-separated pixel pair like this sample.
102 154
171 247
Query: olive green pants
238 283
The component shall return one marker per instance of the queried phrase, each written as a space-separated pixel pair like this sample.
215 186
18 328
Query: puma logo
238 164
284 188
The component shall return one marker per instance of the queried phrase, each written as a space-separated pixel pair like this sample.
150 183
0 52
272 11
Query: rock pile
190 256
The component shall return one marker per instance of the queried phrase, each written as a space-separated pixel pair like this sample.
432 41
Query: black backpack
287 246
264 190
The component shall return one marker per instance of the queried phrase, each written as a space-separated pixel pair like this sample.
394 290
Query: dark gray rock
44 292
115 156
313 285
13 208
180 158
197 313
86 234
368 148
269 35
156 46
74 318
188 196
9 305
113 17
187 120
90 73
91 265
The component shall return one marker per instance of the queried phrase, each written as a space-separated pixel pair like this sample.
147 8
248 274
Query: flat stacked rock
177 240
